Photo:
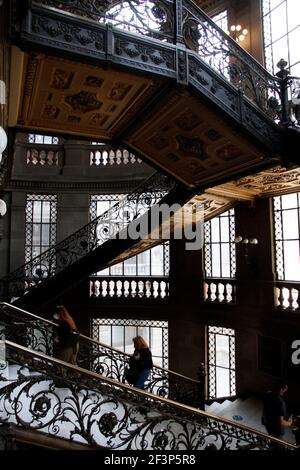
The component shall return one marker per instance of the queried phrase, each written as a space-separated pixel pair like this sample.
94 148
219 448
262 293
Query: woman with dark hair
66 342
141 362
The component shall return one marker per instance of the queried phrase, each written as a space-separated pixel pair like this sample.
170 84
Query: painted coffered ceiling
177 132
60 95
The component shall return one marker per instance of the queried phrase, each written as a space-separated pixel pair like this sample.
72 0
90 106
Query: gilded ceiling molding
273 182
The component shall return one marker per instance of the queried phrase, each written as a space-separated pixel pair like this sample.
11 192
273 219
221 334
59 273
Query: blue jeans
141 379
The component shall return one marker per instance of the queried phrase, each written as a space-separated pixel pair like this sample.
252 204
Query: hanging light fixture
238 33
3 141
245 242
3 208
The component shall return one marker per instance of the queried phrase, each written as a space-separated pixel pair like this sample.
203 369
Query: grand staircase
168 84
44 395
180 94
246 411
187 98
126 229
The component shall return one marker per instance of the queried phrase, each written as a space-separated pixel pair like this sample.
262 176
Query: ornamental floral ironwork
67 402
38 334
230 60
153 18
183 21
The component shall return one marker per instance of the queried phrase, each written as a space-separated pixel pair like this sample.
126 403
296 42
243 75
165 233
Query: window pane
144 332
293 14
222 379
117 337
157 261
294 40
222 350
286 234
280 49
274 3
278 21
156 344
36 234
40 225
45 235
215 230
104 272
130 267
130 333
289 201
45 211
105 334
144 263
224 229
116 270
225 251
37 211
291 260
216 266
290 224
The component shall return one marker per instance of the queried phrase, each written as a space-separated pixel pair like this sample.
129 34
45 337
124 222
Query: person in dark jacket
66 344
141 362
275 412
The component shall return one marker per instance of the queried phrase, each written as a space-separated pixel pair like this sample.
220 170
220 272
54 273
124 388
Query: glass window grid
133 266
40 228
213 366
219 62
213 249
221 19
284 45
283 264
126 329
42 139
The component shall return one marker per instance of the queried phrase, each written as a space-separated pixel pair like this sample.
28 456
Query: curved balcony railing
86 239
287 295
104 155
146 287
182 21
36 333
43 155
220 290
41 393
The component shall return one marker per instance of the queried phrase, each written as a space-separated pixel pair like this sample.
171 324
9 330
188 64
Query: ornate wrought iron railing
45 394
287 295
151 18
36 333
86 239
183 22
220 290
123 287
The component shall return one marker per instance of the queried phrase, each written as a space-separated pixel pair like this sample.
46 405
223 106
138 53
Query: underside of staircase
201 111
161 101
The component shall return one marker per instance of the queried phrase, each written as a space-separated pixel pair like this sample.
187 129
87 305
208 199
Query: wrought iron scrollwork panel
89 237
64 402
152 18
38 334
225 56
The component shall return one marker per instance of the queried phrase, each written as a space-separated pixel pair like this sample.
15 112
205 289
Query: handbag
130 375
